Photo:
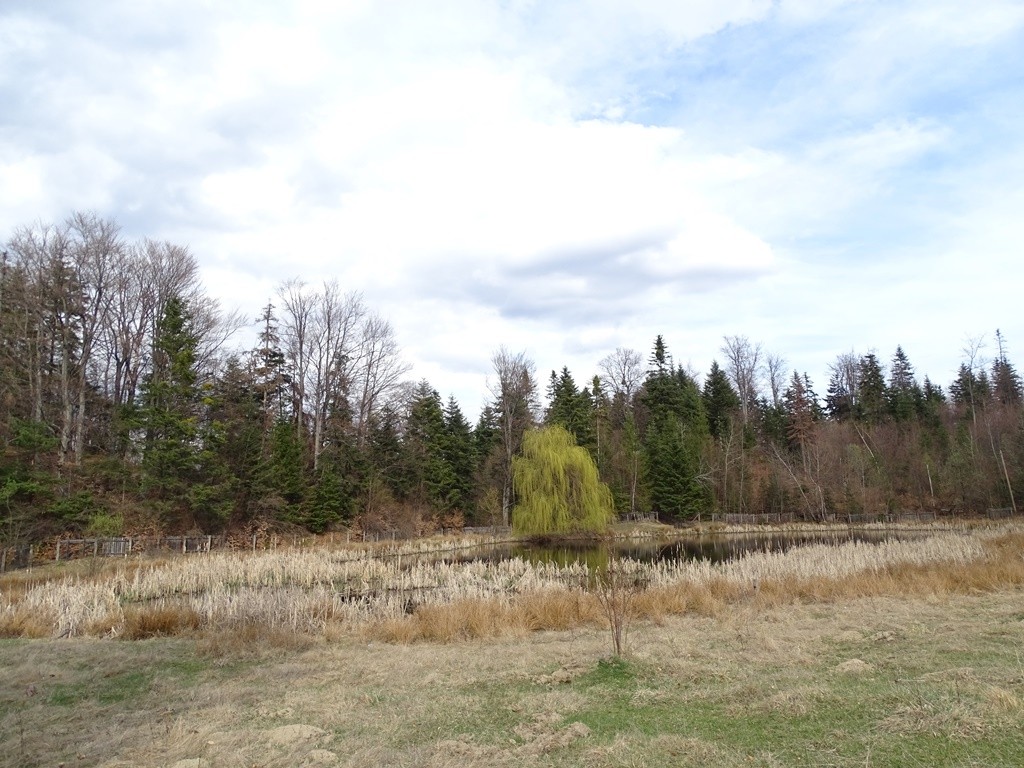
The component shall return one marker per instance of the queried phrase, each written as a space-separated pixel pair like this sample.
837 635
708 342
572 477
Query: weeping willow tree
558 487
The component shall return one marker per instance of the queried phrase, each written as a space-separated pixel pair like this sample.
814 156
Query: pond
716 548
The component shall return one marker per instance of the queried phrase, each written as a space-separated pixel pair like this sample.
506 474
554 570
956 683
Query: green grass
887 717
111 688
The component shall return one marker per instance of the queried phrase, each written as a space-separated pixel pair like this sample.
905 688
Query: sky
561 178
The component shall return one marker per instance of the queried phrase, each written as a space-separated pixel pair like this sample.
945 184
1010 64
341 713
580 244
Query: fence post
254 542
95 547
129 545
56 559
209 544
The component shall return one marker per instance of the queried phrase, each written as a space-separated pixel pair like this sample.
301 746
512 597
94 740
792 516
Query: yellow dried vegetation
401 596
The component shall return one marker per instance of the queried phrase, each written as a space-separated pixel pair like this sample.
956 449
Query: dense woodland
125 406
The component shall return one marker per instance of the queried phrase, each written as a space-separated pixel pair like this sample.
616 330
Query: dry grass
399 595
161 621
875 681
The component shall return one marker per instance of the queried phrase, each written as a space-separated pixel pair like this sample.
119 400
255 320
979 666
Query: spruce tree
284 469
871 390
800 413
570 407
903 393
721 403
674 439
970 390
1006 382
170 410
431 477
460 454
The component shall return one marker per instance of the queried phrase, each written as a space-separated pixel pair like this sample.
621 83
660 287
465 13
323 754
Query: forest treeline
126 406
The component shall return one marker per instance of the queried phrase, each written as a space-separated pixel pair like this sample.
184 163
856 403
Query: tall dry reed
399 593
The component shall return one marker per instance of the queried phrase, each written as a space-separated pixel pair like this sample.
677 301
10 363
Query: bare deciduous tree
844 384
515 402
743 364
623 372
334 340
378 370
299 309
775 370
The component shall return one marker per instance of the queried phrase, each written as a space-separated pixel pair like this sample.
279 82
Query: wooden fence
59 550
898 518
25 556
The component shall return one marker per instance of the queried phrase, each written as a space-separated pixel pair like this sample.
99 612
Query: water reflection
716 548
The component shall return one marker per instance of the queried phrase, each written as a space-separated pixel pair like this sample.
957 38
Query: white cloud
558 177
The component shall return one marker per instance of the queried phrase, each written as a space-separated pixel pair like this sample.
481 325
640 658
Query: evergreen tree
800 413
721 403
903 394
170 410
839 399
843 387
570 408
270 380
1006 382
284 469
431 478
235 417
329 501
660 362
969 390
871 390
600 419
934 441
674 439
772 422
489 474
386 459
460 453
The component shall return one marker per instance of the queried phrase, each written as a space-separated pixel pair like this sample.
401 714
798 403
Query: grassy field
916 661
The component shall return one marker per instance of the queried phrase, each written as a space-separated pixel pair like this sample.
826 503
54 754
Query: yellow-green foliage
558 487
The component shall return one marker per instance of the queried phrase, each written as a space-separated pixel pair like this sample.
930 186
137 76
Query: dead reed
399 595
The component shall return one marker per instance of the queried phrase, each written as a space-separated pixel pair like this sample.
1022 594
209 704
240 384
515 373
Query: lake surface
717 548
